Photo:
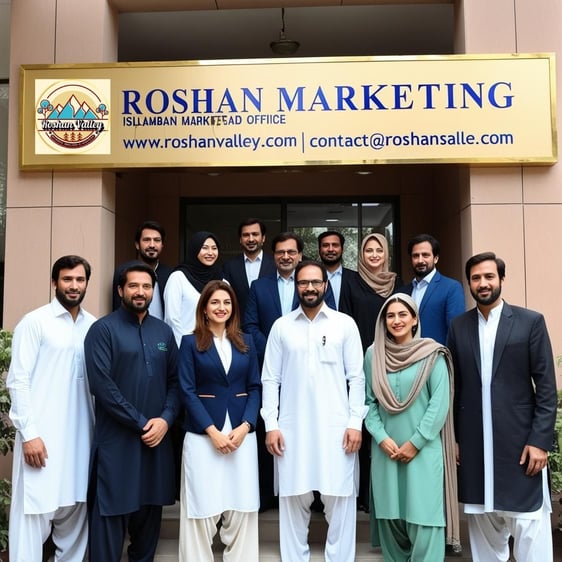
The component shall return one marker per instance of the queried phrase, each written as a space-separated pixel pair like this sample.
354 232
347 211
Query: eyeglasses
304 283
281 253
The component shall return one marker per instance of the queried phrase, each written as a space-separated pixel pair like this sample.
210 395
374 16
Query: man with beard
131 360
149 243
505 410
330 250
52 411
313 408
251 264
439 298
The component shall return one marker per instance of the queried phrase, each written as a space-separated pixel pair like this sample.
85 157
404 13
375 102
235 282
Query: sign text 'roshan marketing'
482 109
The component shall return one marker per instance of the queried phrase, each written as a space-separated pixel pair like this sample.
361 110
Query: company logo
72 116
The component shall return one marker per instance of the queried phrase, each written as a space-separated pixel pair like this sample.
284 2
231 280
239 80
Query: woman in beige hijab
366 292
409 393
362 298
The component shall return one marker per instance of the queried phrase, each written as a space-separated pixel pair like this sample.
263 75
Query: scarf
388 356
382 282
197 273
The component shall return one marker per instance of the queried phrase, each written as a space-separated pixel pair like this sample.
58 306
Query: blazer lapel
429 291
214 356
502 336
275 296
241 264
474 338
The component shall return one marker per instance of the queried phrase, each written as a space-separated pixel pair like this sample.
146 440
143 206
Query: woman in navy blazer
221 393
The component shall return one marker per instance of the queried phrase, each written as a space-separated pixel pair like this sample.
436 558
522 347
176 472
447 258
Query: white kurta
313 389
216 483
180 304
51 399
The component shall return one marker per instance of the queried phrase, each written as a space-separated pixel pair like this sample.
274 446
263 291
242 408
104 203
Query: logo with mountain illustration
72 117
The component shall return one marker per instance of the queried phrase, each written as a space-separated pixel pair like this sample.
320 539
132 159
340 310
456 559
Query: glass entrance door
353 218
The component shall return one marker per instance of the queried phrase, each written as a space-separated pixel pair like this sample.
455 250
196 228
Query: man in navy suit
439 298
505 410
251 264
149 243
330 250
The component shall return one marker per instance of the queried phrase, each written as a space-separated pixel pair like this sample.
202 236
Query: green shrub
7 434
555 456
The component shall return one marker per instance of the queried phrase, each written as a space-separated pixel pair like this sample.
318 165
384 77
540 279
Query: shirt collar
59 310
494 312
338 271
131 317
427 279
323 312
257 259
291 278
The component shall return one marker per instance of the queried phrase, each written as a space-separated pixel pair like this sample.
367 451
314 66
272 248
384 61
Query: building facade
514 210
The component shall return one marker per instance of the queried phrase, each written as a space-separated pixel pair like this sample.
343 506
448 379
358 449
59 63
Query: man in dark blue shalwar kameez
131 360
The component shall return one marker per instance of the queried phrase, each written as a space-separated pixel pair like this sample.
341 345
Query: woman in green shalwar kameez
409 390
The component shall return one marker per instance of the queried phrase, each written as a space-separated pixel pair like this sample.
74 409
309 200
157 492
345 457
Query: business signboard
480 109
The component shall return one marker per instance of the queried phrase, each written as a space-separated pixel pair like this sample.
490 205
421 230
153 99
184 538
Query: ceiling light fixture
284 46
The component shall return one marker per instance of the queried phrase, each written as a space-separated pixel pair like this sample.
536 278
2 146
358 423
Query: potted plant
555 465
7 436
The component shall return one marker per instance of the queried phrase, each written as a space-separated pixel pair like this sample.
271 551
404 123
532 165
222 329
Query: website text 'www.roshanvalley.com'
304 142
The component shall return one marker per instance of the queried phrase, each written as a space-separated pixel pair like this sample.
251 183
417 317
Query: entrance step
269 539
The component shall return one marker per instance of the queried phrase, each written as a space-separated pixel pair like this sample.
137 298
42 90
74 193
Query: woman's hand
405 453
389 447
238 434
221 442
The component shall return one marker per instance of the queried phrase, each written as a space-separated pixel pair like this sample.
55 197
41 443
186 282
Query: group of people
295 383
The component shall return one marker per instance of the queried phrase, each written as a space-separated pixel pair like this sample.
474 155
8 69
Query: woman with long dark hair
221 392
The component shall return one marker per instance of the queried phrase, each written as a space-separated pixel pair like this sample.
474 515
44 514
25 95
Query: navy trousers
108 533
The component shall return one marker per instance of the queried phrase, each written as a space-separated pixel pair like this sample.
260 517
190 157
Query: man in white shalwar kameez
53 415
313 407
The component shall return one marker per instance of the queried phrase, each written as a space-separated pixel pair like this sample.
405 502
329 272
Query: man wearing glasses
313 408
269 299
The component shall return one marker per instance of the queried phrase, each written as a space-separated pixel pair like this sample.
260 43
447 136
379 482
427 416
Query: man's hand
535 458
274 442
154 431
352 440
35 452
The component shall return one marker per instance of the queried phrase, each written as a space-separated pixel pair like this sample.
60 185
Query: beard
149 259
69 302
422 271
490 299
330 260
132 306
311 303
